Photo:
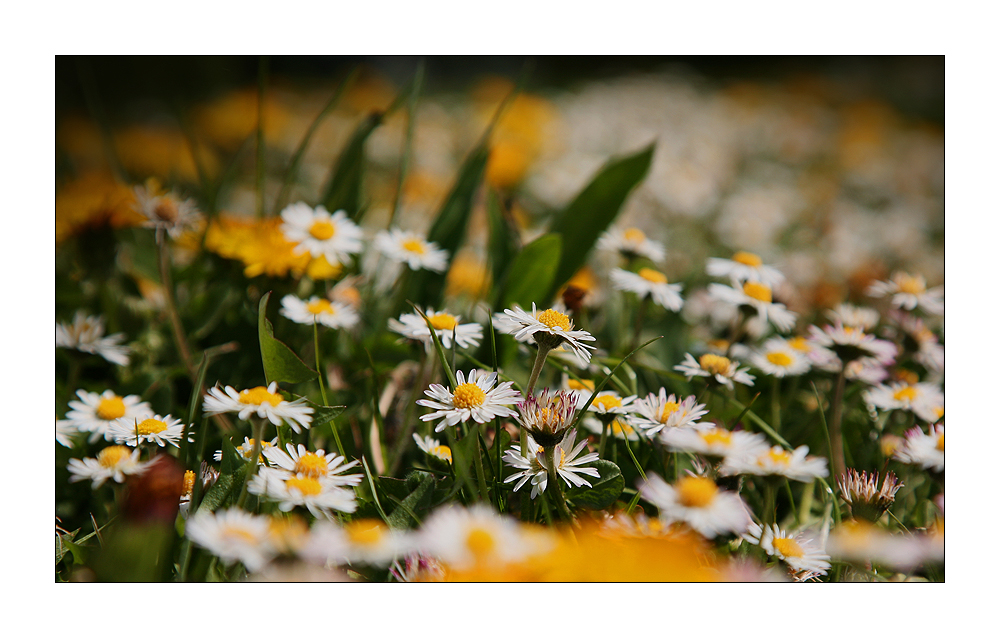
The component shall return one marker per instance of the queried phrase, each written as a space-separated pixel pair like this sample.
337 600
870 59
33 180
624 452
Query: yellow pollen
319 307
151 426
188 482
908 394
758 291
911 285
443 321
668 408
111 456
322 230
480 542
940 443
634 235
308 486
607 402
779 457
442 452
747 259
554 319
788 547
714 363
414 246
586 384
111 409
259 395
311 464
799 343
365 531
717 436
468 395
779 359
653 276
696 491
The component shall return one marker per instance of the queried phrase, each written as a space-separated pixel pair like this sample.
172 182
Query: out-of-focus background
830 167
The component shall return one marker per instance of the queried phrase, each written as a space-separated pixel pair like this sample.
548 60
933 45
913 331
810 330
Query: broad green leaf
530 276
323 414
603 491
419 499
343 190
280 363
593 210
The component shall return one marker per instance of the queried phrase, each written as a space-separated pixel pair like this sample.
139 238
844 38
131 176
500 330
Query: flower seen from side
263 402
320 465
859 317
362 540
779 359
756 295
548 328
433 447
922 399
744 266
114 462
151 429
94 413
320 495
714 441
165 211
658 411
569 464
632 243
697 502
412 326
868 501
475 399
801 552
464 538
795 465
547 417
649 283
851 344
411 249
910 292
245 449
717 368
923 450
331 314
234 536
86 334
320 233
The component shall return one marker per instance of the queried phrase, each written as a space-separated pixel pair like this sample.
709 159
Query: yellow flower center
110 457
414 246
758 291
617 427
188 482
150 426
779 456
696 491
586 384
668 408
238 533
247 449
716 435
607 401
554 319
480 542
319 307
443 321
911 285
653 276
111 409
940 443
788 547
468 395
908 394
799 343
365 531
442 452
259 395
634 235
747 259
322 230
715 364
779 359
311 464
305 484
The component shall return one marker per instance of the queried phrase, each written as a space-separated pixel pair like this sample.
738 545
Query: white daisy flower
318 310
717 368
920 398
930 353
649 283
609 402
620 428
850 344
861 490
433 447
465 537
801 552
659 411
476 399
854 316
234 536
698 502
861 542
567 460
583 388
552 326
320 496
779 359
925 450
715 441
113 462
246 449
64 433
94 413
758 296
796 465
362 540
318 232
412 326
411 249
743 267
631 242
266 403
153 429
546 418
86 334
909 292
316 464
167 212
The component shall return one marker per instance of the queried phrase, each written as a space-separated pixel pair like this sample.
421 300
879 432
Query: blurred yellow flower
262 248
231 118
468 275
94 199
162 152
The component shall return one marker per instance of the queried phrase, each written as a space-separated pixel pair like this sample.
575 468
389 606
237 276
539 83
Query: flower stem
543 351
550 461
836 434
163 252
478 458
257 429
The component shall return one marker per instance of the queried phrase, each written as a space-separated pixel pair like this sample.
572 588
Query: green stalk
478 458
605 426
776 404
163 252
550 461
836 434
257 430
536 369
